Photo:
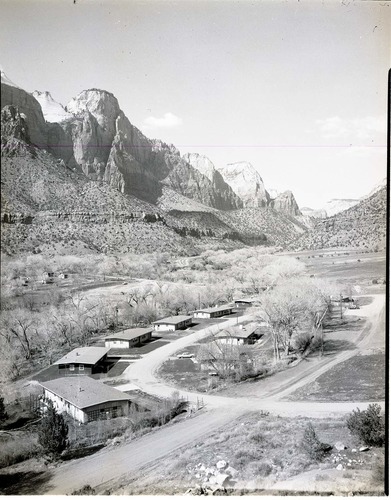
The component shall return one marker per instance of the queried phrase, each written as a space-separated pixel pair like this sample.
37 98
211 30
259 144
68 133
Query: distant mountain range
82 176
337 205
363 225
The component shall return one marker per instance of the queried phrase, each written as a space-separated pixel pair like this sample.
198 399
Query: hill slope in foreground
363 225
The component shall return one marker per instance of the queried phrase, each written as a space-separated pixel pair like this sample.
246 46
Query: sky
297 88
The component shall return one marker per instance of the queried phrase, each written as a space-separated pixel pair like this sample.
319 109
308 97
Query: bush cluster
368 425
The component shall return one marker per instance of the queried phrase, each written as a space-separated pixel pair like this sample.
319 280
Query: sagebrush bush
311 444
368 425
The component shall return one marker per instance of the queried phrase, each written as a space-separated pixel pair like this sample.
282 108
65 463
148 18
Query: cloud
359 128
169 120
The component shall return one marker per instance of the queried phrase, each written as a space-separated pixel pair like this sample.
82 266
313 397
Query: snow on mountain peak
53 111
7 81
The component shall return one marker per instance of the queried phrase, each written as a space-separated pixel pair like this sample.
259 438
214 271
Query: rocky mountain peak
285 202
101 104
201 163
246 183
228 198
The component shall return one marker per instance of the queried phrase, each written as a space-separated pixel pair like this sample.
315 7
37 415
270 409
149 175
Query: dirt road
112 463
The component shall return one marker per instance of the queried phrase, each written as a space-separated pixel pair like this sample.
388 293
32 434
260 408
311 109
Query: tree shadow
334 346
24 483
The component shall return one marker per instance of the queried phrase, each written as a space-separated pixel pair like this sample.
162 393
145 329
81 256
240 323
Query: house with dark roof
83 361
86 399
240 335
172 323
128 338
213 312
245 302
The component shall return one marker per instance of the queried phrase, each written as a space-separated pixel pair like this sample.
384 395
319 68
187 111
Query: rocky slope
206 167
363 225
337 205
246 183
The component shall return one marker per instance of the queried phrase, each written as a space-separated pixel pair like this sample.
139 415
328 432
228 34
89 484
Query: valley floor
282 403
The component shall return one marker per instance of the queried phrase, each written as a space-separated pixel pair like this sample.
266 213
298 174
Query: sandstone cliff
205 166
49 136
246 183
107 146
286 203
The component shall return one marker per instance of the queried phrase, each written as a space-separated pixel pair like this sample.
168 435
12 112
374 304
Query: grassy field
349 267
360 378
262 449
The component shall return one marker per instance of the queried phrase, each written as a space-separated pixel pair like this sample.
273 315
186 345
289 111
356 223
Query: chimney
241 327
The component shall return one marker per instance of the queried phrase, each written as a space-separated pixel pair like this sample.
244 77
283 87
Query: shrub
368 425
85 490
311 445
53 432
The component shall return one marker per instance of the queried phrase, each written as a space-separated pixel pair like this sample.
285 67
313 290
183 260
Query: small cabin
213 312
83 361
86 399
126 339
240 335
172 323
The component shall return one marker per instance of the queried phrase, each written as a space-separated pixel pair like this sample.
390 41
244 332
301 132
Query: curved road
112 463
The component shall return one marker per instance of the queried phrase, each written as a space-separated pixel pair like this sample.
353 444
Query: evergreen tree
53 432
311 445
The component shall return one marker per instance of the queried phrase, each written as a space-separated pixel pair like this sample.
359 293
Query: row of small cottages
86 399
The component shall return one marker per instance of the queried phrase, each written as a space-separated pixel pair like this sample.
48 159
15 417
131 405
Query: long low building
128 338
83 361
172 323
213 312
239 335
86 399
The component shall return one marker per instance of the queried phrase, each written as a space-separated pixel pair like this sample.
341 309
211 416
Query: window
81 368
71 368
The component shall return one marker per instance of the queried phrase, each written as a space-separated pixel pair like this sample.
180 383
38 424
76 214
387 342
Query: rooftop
129 334
83 392
215 309
84 355
237 332
172 320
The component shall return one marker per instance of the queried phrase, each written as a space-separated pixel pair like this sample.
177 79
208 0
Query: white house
128 338
172 323
213 312
86 399
239 335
